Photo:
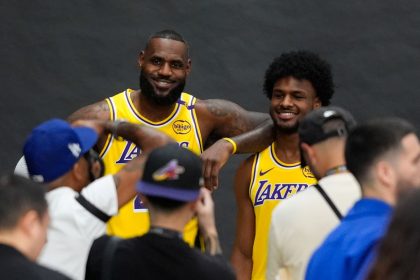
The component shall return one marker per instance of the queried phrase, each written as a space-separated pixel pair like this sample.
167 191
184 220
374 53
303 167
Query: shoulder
306 197
249 161
99 110
245 167
46 273
103 194
214 267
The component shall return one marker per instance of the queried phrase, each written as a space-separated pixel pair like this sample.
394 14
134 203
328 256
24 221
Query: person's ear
309 153
386 174
29 223
140 59
78 171
188 67
317 103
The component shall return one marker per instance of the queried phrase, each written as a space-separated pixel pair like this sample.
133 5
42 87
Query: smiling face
164 67
291 100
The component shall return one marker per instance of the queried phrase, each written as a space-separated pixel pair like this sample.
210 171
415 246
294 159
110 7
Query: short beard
284 129
148 91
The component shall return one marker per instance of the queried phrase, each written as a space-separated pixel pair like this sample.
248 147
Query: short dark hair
302 65
169 34
370 141
18 196
165 204
398 253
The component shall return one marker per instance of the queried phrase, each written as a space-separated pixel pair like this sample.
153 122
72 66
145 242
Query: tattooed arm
143 136
251 131
95 111
221 118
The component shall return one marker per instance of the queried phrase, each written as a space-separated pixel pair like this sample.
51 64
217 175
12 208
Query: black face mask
95 165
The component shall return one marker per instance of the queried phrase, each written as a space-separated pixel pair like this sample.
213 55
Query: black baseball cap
172 172
312 130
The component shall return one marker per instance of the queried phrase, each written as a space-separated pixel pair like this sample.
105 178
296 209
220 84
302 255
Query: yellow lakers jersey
181 125
271 182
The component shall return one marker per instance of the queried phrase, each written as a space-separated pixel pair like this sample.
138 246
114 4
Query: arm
222 118
216 156
245 223
95 111
145 137
207 224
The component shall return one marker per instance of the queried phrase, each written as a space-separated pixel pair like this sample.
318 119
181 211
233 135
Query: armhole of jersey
197 130
112 114
254 173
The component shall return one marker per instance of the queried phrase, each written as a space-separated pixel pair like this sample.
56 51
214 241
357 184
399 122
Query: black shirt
15 266
154 256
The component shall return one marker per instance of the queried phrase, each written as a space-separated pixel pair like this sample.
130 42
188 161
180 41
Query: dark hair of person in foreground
399 252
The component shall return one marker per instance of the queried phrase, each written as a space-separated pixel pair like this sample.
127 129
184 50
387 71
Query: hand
97 125
205 213
214 158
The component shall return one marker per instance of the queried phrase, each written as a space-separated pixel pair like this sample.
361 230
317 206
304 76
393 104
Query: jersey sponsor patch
181 127
280 191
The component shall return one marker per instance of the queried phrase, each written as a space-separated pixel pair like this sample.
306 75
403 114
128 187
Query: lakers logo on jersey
272 181
307 172
267 191
130 151
181 127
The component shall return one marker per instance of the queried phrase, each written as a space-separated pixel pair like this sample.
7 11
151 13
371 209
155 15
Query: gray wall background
57 56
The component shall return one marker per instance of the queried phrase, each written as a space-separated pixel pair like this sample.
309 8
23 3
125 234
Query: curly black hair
301 65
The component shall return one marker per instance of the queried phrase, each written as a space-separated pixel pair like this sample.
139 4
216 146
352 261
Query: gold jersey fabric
271 182
181 125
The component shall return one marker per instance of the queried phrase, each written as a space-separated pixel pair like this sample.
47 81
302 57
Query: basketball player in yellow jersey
160 103
295 83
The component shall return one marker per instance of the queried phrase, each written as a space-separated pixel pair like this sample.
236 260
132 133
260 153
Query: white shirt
73 229
301 223
21 168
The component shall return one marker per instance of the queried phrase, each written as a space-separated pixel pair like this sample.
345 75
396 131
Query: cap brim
167 192
88 137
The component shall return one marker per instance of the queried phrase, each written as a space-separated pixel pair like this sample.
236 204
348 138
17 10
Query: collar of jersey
278 161
140 116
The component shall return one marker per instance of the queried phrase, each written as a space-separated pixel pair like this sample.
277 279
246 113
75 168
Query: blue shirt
347 248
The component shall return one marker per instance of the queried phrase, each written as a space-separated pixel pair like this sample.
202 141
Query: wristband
231 142
114 129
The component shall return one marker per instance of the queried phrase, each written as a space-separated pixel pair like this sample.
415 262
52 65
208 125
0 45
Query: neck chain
169 233
335 170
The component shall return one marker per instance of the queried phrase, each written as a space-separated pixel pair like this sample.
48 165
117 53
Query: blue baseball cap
54 147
